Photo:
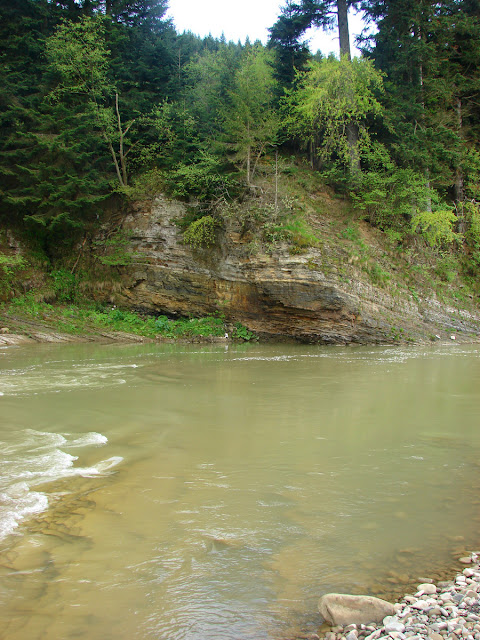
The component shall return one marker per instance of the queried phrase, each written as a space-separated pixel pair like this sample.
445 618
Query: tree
290 53
78 53
251 122
430 54
297 18
52 176
137 13
328 97
209 80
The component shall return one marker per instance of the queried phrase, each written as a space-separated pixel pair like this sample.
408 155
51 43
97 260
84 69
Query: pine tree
429 52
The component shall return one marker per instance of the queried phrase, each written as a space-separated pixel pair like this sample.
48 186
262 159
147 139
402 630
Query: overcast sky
238 19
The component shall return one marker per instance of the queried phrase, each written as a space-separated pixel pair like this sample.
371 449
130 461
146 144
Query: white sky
239 18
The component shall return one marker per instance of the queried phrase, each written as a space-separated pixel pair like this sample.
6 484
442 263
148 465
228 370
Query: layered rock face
277 296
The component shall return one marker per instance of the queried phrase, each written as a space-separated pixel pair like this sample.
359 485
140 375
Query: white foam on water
88 439
17 503
32 380
35 459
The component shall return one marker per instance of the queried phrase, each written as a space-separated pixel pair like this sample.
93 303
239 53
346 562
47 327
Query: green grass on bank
89 318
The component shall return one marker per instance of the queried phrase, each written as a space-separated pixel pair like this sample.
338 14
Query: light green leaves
78 53
329 96
437 227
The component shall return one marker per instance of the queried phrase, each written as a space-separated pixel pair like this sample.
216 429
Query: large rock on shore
342 609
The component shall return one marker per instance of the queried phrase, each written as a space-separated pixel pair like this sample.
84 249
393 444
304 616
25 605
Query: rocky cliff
317 296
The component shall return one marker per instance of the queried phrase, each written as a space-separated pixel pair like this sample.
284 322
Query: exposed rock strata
277 296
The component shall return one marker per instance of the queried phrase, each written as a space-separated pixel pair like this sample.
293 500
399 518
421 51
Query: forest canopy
102 100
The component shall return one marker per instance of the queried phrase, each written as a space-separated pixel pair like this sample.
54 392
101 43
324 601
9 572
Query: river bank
67 324
447 610
20 330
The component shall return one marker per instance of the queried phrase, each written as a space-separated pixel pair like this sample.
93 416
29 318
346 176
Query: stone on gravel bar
344 609
427 588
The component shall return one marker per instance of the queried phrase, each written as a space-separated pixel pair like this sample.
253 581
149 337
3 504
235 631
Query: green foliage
242 333
183 328
447 268
290 53
331 95
29 304
352 233
437 227
146 186
115 251
201 180
201 232
209 78
378 275
470 211
74 318
250 120
77 52
301 234
11 267
394 238
65 285
388 196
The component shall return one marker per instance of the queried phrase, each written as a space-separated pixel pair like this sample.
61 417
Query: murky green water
215 493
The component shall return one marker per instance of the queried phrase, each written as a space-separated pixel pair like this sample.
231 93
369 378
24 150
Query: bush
436 227
242 333
65 285
201 232
146 186
352 233
10 268
115 251
378 276
200 180
447 268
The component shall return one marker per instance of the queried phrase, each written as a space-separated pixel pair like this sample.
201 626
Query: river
216 492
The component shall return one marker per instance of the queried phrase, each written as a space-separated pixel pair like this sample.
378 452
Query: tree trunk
276 181
343 33
422 103
459 180
352 141
352 127
123 162
459 186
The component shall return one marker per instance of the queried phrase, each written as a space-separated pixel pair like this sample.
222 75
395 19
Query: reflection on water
202 492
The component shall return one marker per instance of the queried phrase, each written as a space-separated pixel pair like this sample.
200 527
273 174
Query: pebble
394 626
427 588
446 611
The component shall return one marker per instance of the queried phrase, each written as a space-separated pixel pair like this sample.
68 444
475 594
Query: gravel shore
445 611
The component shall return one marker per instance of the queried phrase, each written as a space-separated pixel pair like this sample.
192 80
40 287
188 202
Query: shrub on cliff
201 232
